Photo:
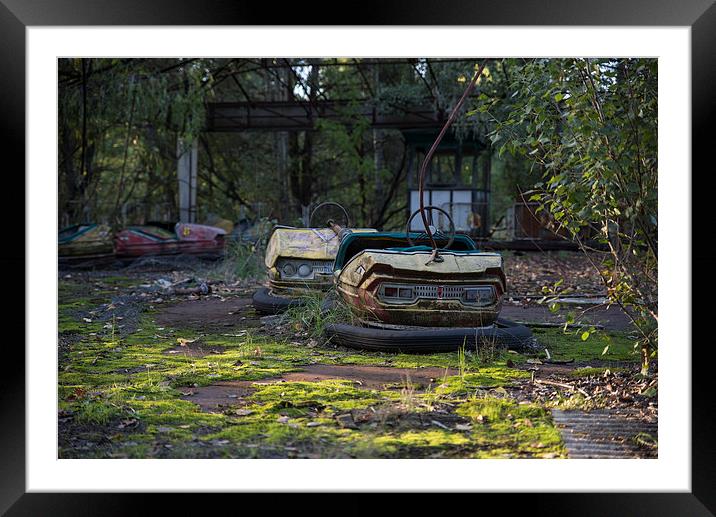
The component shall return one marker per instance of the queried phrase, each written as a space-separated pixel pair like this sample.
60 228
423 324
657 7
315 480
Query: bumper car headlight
289 270
479 295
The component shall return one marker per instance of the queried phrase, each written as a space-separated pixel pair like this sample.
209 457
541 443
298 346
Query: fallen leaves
528 272
606 389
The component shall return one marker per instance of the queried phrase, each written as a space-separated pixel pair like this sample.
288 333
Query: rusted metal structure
302 115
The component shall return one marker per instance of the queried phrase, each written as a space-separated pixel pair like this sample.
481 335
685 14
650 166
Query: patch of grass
430 440
69 322
491 377
602 345
131 386
242 261
595 372
336 395
174 412
96 411
74 301
314 313
504 428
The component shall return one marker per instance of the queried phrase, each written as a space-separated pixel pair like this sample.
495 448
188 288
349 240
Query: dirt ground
209 314
147 372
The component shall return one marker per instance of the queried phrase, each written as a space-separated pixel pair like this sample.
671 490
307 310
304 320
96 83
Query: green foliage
122 120
119 120
589 127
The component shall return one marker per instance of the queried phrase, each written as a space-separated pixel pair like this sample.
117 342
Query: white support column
187 166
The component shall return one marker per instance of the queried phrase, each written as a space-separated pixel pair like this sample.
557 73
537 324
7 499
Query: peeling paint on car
310 244
359 280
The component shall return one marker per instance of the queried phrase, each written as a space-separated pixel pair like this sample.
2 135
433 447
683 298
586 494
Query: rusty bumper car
85 242
299 262
187 238
412 297
423 292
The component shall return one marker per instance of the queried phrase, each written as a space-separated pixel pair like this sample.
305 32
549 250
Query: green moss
74 301
484 378
173 412
432 440
593 371
503 427
96 411
334 394
619 346
131 385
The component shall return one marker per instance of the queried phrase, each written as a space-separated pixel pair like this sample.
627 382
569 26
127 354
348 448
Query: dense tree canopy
120 120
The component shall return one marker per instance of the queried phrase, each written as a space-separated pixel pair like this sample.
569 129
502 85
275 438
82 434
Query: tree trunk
378 153
302 171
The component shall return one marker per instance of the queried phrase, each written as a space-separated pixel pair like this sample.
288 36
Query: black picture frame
700 15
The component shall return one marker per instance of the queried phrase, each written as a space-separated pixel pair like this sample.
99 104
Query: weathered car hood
413 264
308 243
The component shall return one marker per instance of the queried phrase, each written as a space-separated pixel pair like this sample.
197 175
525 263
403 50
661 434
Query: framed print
413 251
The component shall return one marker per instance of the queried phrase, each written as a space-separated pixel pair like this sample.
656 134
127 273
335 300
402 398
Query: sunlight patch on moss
591 371
502 427
569 345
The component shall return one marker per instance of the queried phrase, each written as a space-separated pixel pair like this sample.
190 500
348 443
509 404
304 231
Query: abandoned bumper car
187 238
410 297
85 241
427 292
299 261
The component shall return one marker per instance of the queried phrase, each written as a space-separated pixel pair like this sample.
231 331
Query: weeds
96 412
488 352
462 363
243 261
314 314
407 395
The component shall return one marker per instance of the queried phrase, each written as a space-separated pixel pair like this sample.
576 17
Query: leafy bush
590 129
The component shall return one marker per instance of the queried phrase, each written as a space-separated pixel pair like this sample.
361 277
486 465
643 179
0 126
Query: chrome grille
447 292
318 267
322 267
437 292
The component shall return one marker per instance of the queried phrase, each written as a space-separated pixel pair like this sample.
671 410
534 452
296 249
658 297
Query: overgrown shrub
590 128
